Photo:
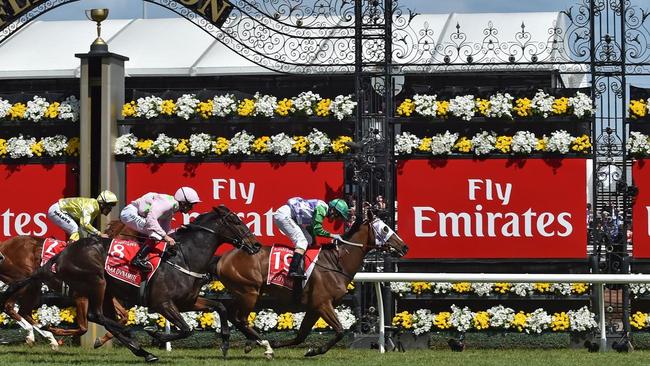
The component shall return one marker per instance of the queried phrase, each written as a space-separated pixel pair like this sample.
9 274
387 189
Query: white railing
597 279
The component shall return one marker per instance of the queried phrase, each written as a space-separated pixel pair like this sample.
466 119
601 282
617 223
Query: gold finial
98 15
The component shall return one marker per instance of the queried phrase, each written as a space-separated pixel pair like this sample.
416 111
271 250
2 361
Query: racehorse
20 256
173 289
245 277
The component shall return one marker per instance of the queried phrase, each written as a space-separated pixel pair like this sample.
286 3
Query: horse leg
9 310
81 303
311 316
203 304
170 312
122 315
242 306
326 311
28 302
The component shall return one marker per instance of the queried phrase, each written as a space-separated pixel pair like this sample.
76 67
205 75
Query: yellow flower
261 144
541 144
339 146
350 286
130 319
579 288
143 146
542 287
206 320
443 108
639 320
638 108
285 321
216 286
128 110
168 107
2 318
483 106
17 111
560 322
204 109
560 106
182 147
481 320
519 321
161 321
581 144
35 315
37 148
220 146
73 147
523 107
246 108
503 144
406 108
52 110
251 318
320 324
441 321
403 319
68 315
502 287
284 107
420 287
463 145
323 107
300 144
461 287
3 147
425 144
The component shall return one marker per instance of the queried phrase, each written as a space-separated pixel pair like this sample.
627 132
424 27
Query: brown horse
245 277
19 258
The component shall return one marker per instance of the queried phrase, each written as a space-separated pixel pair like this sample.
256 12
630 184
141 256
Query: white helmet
187 194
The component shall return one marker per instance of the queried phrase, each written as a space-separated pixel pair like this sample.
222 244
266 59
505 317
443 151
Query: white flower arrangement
241 143
426 105
422 321
164 145
346 317
483 142
523 142
306 102
190 318
639 289
441 287
319 143
55 145
406 143
69 109
265 320
501 317
538 321
582 105
342 106
200 144
36 108
560 141
5 106
582 320
462 107
148 107
125 144
280 144
481 289
638 144
224 105
561 288
442 144
461 319
500 105
48 315
297 319
265 105
20 147
400 287
522 289
542 104
185 106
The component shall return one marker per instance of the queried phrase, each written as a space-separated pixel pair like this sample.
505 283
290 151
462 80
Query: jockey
152 214
74 212
302 221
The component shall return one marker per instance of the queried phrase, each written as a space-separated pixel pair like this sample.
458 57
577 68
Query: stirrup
141 265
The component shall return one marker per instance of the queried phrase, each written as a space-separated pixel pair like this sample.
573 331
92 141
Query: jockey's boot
295 268
140 259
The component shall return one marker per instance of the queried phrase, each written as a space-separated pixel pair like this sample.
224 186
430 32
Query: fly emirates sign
493 208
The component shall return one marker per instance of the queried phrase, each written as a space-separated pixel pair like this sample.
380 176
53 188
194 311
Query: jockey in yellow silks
74 213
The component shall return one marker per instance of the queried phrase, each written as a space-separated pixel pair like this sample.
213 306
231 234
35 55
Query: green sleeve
317 224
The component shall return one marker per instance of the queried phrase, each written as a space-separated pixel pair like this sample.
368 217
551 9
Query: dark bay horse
173 289
20 256
245 277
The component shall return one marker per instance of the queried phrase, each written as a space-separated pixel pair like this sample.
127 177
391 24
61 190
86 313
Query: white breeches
62 219
129 216
297 234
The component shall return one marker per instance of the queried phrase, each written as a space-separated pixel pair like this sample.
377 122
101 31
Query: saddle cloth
279 260
118 262
51 247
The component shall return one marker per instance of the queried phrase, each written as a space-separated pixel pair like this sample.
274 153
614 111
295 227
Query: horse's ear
369 214
221 210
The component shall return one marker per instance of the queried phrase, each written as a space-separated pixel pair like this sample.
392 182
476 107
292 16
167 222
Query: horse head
380 236
227 226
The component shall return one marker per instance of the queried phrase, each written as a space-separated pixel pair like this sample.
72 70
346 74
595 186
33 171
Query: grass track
22 355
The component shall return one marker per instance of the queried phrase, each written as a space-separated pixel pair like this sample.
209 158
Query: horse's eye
385 229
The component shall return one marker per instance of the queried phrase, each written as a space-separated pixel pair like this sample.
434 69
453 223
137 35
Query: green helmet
341 207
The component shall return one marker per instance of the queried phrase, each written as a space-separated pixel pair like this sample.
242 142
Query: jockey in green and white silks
302 221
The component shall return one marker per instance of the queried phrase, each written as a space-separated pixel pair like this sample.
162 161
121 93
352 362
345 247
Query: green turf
22 355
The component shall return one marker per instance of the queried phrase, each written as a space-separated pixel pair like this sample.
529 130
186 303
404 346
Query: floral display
638 108
486 289
484 143
20 146
39 109
499 318
638 144
220 106
505 106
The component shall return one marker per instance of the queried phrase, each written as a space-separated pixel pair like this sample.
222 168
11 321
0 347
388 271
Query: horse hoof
150 358
311 353
224 349
269 356
54 346
97 343
30 342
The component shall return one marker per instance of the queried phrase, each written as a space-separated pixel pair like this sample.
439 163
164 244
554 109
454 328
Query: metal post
168 345
382 324
600 296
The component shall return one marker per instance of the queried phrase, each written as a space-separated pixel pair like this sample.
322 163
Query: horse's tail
39 275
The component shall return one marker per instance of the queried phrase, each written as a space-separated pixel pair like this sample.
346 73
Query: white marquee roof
174 46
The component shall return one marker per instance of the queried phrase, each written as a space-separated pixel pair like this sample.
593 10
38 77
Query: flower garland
639 108
483 143
487 289
202 144
638 144
497 318
499 105
221 106
28 147
38 109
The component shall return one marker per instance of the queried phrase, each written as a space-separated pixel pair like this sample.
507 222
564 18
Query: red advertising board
493 208
254 190
641 209
26 193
